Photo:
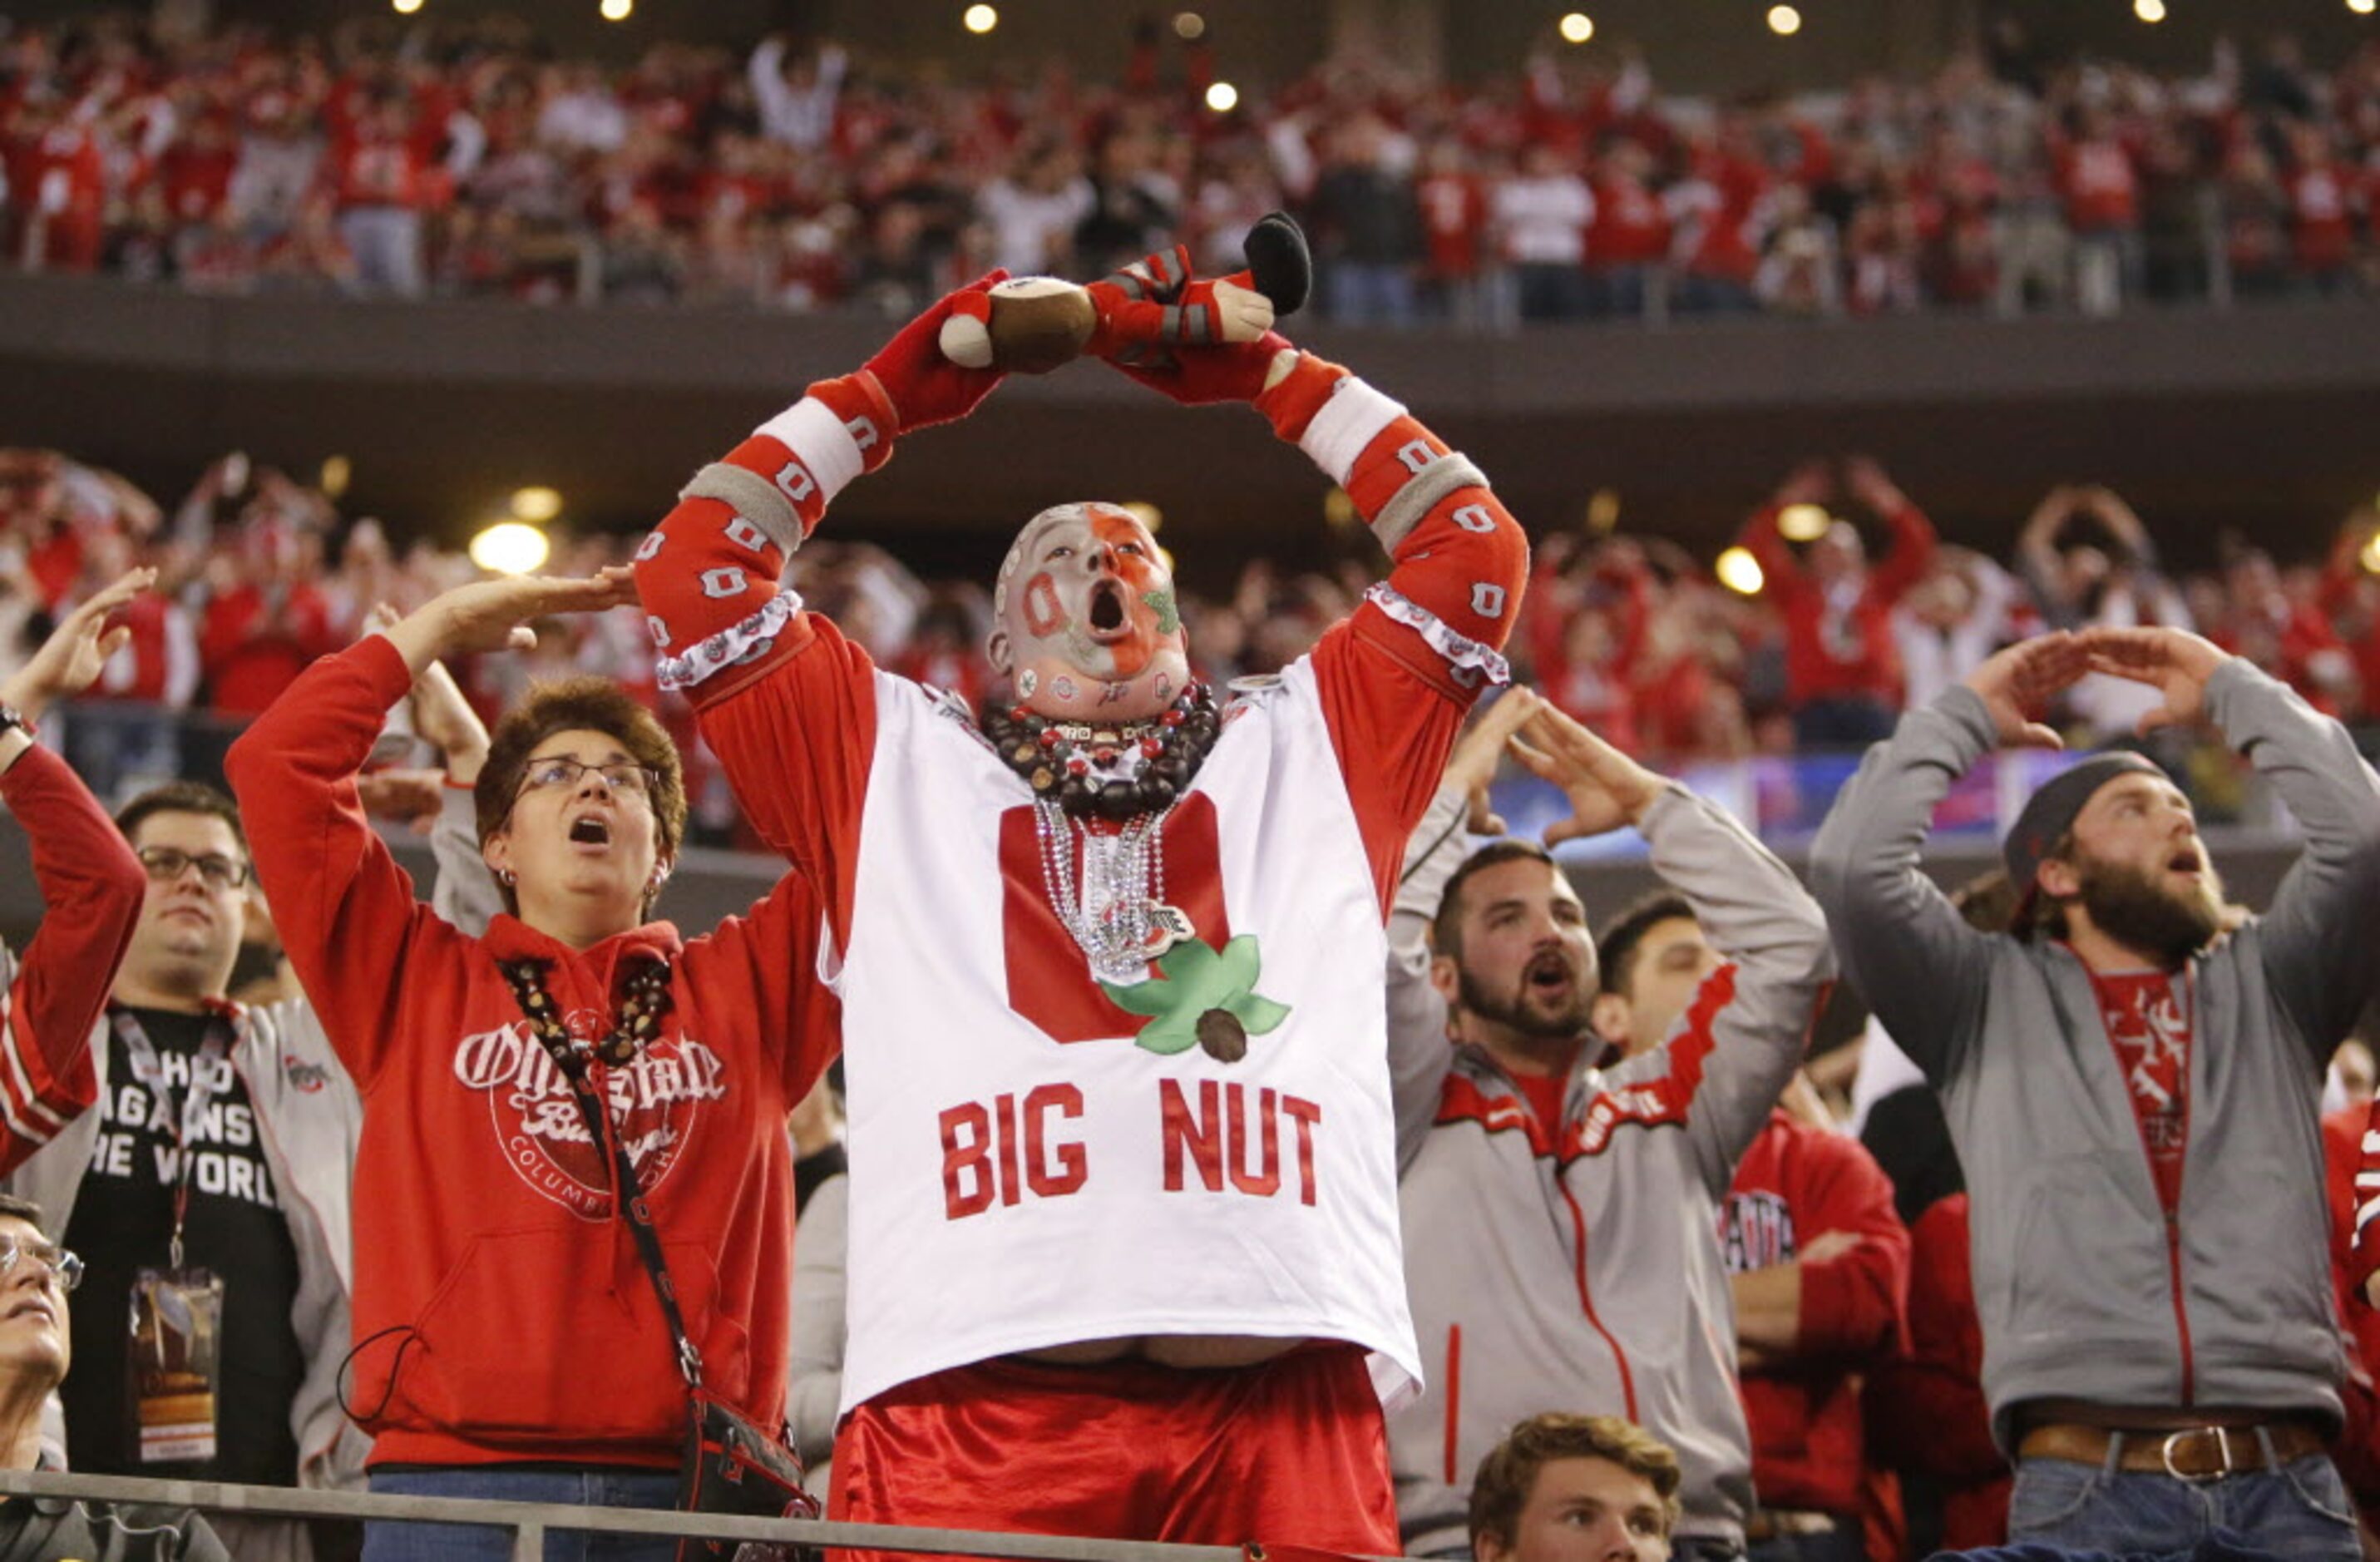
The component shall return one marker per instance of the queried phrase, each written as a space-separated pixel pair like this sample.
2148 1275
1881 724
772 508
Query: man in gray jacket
221 1137
2132 1085
1562 1247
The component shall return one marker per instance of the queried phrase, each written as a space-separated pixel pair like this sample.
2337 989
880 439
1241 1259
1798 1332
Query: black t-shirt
124 1223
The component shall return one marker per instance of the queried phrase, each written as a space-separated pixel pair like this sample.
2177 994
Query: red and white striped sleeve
785 702
92 886
1398 675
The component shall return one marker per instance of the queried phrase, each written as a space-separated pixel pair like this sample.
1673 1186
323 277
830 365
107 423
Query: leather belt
2190 1453
1774 1523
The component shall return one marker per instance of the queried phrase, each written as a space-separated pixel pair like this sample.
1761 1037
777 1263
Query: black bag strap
627 1198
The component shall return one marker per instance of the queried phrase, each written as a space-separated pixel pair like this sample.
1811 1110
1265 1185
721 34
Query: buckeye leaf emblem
1201 995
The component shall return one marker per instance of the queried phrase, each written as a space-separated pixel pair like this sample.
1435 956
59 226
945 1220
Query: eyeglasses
624 777
65 1268
165 864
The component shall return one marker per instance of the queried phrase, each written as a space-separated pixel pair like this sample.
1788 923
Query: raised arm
2317 938
91 888
1732 1051
345 911
788 704
1781 572
1418 1049
1903 946
1398 673
1911 554
2036 555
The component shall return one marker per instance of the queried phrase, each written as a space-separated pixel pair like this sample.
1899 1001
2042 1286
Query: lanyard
149 1069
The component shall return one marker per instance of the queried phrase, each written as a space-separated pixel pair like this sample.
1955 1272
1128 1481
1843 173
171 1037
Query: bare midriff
1195 1352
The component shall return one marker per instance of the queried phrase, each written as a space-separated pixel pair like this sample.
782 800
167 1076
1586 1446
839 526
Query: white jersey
1032 1164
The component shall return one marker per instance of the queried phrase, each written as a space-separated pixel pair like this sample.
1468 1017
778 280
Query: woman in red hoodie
507 1340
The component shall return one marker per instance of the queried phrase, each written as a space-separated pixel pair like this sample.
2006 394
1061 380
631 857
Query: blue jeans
479 1543
2300 1511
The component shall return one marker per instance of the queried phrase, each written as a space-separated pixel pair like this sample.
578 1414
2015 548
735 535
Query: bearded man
2133 1083
1561 1206
1124 1221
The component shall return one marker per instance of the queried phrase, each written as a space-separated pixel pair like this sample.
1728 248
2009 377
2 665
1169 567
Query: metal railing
529 1521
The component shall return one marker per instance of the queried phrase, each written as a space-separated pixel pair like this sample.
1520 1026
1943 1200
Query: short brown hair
1446 930
24 1210
181 797
588 704
1500 1490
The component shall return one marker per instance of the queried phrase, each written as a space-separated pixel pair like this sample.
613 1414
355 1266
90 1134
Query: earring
504 877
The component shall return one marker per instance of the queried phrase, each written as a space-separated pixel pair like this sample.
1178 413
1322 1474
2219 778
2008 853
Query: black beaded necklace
1111 770
644 1000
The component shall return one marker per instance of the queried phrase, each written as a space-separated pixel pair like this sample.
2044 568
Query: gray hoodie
2081 1290
1580 1269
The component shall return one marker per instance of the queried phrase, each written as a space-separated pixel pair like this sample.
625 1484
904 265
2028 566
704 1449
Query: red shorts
1292 1452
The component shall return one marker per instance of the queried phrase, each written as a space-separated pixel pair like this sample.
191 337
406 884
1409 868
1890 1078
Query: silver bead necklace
1117 916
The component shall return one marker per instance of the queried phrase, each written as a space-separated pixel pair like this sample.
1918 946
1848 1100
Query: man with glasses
35 1276
210 1178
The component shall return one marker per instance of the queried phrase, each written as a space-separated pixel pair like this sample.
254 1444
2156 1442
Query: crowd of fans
1631 633
464 160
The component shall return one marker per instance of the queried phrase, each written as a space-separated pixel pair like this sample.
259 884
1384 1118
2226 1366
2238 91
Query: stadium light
615 10
510 548
2149 10
1738 571
406 7
1804 523
980 19
1577 27
2363 8
1189 26
1223 97
536 504
1784 21
2368 554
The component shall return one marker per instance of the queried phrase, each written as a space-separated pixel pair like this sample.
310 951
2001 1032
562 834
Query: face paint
1087 606
1042 614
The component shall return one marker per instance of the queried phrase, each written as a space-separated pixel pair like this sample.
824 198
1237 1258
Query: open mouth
1549 975
590 829
1107 610
2189 860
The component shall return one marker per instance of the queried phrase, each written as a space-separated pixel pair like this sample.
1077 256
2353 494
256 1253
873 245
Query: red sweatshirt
1795 1183
501 1313
1925 1412
1840 643
92 886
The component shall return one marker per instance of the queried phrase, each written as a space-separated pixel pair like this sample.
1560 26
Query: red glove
1199 377
913 378
1170 331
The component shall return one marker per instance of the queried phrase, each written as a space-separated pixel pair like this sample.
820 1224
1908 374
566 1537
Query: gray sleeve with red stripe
1736 1047
1419 1051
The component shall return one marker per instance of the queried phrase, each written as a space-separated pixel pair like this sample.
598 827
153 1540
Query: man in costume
1124 1185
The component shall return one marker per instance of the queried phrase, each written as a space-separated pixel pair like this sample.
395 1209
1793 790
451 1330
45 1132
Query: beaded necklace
1112 770
644 1000
1130 773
